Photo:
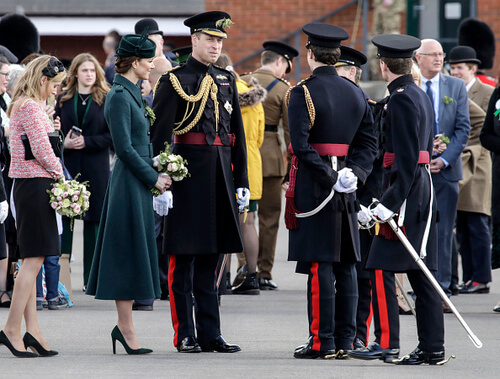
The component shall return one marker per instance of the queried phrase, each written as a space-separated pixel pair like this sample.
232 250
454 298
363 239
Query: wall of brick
489 12
260 20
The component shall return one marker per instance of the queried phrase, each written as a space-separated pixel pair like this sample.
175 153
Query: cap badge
224 23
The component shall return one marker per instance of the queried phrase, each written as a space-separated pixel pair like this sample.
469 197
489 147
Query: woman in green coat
125 264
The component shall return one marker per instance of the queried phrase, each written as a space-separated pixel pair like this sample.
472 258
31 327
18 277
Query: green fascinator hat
135 45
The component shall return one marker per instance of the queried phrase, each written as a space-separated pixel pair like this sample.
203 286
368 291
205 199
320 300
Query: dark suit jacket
453 123
91 162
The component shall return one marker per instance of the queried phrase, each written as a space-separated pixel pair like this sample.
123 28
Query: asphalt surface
267 327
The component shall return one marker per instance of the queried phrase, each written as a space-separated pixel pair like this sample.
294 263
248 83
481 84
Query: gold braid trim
287 96
207 87
310 106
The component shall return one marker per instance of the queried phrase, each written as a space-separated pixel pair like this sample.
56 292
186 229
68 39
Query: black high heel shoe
117 335
5 304
30 341
20 354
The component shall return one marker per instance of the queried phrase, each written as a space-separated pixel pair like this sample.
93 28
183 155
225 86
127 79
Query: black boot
249 286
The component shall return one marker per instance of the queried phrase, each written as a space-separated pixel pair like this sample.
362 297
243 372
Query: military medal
228 106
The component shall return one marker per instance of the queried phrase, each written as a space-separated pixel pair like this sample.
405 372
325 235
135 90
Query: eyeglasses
4 73
435 55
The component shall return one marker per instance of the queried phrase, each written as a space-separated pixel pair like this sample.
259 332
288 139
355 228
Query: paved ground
268 327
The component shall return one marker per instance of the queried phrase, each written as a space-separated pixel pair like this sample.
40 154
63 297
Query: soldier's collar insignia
400 90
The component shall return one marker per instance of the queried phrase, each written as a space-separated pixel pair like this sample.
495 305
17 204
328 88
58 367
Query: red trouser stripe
173 310
382 310
369 319
315 306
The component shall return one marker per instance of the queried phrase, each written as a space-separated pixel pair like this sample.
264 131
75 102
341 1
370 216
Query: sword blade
475 340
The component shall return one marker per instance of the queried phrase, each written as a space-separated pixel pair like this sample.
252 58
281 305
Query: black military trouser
188 276
428 307
332 296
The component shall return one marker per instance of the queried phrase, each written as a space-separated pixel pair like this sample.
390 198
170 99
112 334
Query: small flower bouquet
69 198
447 100
173 165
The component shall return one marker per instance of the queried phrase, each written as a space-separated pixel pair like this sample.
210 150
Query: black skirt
37 234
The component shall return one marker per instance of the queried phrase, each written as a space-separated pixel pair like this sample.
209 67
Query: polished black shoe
358 344
249 286
220 346
306 352
267 285
240 276
477 288
375 351
455 290
20 354
141 307
188 345
417 357
496 308
33 344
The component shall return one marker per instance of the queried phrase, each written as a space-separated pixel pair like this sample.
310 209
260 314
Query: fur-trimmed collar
255 94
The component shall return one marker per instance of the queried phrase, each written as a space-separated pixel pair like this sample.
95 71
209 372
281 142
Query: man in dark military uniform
349 66
334 147
407 135
276 61
198 103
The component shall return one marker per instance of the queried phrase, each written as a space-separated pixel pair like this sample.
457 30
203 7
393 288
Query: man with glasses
448 96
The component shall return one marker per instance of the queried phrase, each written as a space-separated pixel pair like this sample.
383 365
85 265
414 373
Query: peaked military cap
8 54
135 45
149 23
213 23
182 53
351 57
396 45
463 54
282 49
324 35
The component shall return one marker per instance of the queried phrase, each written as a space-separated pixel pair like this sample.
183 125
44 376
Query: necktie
431 97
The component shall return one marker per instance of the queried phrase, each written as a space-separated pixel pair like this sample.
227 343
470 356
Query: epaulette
164 75
372 102
309 102
400 89
287 95
285 81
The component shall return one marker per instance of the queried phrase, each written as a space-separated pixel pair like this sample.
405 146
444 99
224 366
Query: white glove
156 161
382 212
364 215
163 202
242 198
347 182
4 211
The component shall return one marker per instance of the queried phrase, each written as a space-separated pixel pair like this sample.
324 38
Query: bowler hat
149 23
463 54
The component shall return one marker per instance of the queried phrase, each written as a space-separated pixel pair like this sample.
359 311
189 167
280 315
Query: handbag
56 142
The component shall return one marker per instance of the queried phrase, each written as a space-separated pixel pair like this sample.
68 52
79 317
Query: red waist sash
332 149
423 158
201 139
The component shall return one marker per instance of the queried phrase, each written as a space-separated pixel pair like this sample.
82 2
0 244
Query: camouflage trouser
385 21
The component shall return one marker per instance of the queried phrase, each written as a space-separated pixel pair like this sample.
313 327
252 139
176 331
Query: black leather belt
271 128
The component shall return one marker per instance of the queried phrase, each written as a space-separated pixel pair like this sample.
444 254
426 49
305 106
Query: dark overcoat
490 139
204 218
91 162
407 129
342 116
125 264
